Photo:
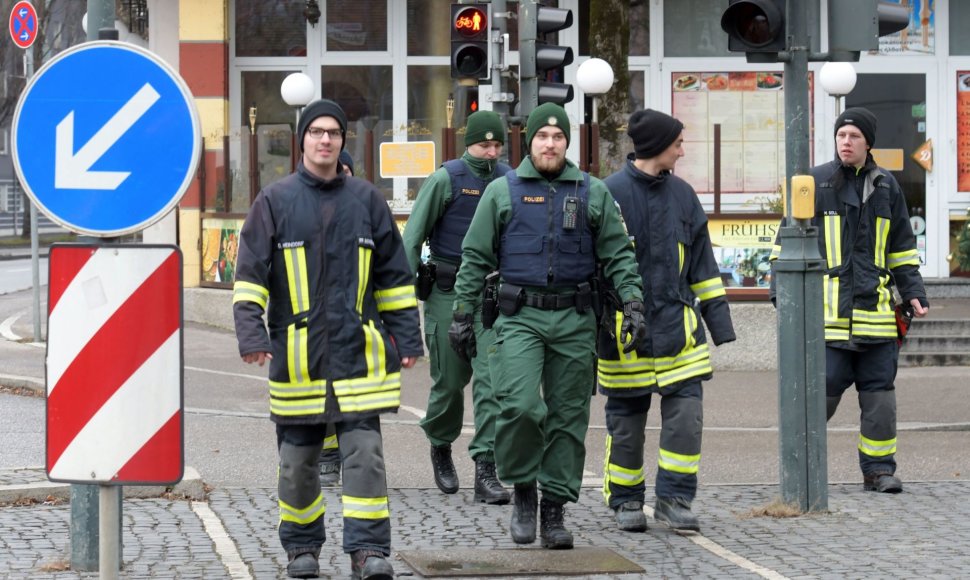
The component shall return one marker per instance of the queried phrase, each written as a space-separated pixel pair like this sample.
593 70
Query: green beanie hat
544 115
484 126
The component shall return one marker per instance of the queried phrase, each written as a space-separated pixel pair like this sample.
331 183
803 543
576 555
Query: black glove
634 327
461 335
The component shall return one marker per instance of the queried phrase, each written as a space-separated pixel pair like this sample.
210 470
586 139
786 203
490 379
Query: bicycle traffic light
857 26
756 28
469 41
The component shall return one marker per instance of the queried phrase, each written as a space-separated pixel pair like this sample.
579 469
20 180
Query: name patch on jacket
830 212
466 191
287 245
366 242
533 199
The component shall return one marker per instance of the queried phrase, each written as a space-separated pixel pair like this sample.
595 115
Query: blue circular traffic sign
106 138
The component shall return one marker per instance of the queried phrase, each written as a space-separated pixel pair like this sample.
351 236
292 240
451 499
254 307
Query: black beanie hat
347 161
859 117
652 132
322 108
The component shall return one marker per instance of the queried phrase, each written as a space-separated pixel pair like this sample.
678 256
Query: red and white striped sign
114 364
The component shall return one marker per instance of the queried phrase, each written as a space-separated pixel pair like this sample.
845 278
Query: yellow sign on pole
409 159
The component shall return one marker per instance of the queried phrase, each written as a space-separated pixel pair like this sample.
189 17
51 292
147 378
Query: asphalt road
230 440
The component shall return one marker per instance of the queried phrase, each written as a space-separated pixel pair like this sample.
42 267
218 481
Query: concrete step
939 327
936 343
934 359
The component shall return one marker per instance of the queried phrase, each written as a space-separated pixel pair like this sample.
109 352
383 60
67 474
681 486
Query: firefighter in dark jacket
441 214
320 254
681 284
544 226
867 242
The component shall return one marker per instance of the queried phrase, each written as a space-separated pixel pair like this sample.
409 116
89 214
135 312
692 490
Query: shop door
899 103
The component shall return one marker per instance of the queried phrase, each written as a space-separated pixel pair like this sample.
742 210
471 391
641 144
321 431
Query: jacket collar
570 172
315 182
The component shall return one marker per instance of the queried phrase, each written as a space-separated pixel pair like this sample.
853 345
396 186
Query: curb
191 486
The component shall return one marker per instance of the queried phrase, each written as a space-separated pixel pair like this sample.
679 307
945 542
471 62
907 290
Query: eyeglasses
317 133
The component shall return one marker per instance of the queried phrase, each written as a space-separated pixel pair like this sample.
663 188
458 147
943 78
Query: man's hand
461 335
257 357
918 310
634 326
408 361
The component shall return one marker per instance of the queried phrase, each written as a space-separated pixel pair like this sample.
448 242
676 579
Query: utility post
499 45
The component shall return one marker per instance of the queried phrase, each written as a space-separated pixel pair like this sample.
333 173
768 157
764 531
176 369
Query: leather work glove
461 335
634 326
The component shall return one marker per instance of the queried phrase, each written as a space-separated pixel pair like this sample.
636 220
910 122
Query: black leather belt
550 301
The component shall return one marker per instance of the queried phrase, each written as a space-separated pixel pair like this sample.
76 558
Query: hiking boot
630 517
330 474
554 534
370 565
303 565
487 487
675 511
524 505
882 482
445 476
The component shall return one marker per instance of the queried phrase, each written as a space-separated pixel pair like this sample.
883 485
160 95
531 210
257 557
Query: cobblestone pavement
921 533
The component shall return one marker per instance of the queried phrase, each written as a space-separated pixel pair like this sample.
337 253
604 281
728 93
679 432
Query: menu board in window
750 109
963 130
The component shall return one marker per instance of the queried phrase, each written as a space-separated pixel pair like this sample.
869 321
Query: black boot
675 511
524 506
487 487
554 534
445 476
370 565
303 565
882 482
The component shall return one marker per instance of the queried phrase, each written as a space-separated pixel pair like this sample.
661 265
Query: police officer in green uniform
441 214
544 227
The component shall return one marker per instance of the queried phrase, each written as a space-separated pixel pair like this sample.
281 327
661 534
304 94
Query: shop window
693 28
959 22
357 26
638 13
427 33
270 28
428 91
920 36
365 93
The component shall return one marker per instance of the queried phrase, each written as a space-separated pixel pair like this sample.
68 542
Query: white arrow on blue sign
106 138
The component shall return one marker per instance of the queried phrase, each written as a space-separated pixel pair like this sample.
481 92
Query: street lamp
297 90
594 77
837 79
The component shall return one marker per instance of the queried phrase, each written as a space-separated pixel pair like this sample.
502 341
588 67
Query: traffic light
857 26
551 59
756 28
469 41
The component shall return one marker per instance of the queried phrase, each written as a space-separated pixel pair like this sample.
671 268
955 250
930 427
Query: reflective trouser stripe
677 462
366 508
877 448
305 515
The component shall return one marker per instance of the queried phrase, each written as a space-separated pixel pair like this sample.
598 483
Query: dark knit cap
484 126
652 132
861 118
322 108
546 114
347 161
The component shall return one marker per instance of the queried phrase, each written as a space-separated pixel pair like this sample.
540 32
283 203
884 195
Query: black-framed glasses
317 133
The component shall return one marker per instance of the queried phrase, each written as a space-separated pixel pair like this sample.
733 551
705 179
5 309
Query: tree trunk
610 41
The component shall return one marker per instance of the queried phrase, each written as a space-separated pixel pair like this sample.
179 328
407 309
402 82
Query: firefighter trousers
542 369
873 371
679 454
366 516
445 415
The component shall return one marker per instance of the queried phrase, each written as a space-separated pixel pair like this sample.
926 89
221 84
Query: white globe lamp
297 89
837 79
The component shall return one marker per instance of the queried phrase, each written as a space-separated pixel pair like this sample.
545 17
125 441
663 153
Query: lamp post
594 77
837 79
297 90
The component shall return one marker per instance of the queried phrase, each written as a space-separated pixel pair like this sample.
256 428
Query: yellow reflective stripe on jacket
710 288
830 290
297 363
296 278
366 508
905 258
304 516
297 407
833 240
364 255
625 374
875 448
396 298
249 292
690 325
374 353
680 258
679 463
330 442
870 323
632 372
882 235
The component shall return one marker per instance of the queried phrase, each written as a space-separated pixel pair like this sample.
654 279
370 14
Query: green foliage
962 253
